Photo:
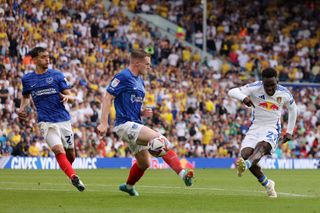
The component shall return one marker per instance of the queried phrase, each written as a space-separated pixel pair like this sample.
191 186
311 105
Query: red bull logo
269 106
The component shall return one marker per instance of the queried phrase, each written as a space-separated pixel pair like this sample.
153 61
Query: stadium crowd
89 44
280 34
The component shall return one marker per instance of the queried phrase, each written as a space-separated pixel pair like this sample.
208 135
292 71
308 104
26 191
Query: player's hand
147 112
102 129
64 98
248 102
22 114
286 138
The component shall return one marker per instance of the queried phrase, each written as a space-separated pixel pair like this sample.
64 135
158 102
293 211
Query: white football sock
129 186
181 174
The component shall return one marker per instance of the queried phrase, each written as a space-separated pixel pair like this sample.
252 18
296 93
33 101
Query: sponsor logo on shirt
135 98
48 91
269 106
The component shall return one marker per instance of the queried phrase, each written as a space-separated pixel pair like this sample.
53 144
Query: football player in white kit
266 98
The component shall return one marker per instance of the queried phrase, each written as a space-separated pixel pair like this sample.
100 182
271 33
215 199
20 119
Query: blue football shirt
45 91
129 94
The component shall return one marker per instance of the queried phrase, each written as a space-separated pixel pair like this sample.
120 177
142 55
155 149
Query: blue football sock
263 180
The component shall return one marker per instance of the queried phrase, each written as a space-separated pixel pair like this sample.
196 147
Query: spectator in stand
80 36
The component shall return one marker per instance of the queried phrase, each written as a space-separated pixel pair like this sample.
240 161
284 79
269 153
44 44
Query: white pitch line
87 190
46 189
219 189
146 186
33 189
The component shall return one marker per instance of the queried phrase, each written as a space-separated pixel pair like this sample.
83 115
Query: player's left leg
65 129
173 161
56 137
146 135
269 185
262 148
54 141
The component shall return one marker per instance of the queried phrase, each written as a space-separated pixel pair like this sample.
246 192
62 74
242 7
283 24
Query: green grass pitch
214 190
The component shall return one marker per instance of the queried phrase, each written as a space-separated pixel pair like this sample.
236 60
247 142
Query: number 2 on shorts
68 139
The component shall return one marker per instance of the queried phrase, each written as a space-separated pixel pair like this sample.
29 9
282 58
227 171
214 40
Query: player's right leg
256 170
136 172
67 137
71 154
138 137
263 148
54 141
146 135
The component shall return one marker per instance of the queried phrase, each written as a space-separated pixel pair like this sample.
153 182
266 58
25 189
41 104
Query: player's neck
133 71
40 70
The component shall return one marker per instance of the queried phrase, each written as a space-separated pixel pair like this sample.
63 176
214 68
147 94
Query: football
158 147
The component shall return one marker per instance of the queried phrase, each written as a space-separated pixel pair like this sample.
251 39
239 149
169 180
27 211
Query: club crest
279 99
49 80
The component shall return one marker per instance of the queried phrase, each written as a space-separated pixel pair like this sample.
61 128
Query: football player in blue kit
127 91
49 90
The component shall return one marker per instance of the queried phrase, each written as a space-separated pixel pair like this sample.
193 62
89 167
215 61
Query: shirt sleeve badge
115 82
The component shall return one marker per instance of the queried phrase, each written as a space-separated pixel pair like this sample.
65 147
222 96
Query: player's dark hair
138 54
36 51
269 73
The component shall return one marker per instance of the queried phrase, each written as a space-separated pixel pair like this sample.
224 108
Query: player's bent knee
264 148
246 153
143 159
57 149
144 165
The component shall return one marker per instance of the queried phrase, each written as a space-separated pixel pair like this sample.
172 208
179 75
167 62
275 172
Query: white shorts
57 133
257 134
129 132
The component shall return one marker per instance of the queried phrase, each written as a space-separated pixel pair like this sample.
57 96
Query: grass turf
214 190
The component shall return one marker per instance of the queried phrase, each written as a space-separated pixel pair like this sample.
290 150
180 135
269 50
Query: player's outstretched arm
25 102
106 104
67 96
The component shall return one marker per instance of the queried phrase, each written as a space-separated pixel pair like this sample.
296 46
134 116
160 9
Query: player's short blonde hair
138 54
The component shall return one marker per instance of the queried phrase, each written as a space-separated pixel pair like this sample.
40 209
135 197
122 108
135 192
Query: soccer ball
158 147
